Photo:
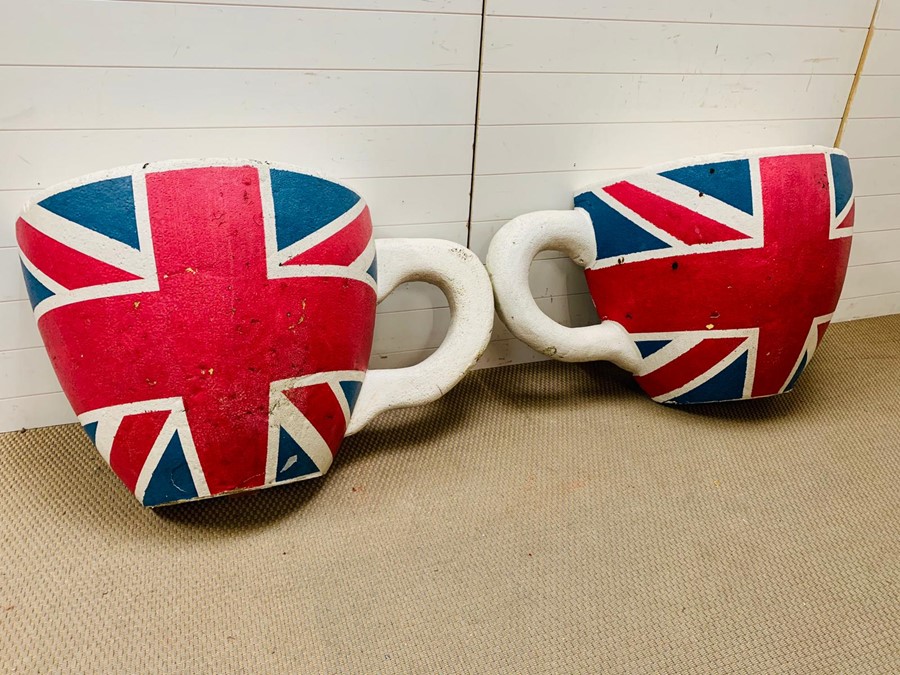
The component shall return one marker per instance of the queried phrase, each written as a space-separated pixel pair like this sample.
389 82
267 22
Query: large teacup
211 321
714 277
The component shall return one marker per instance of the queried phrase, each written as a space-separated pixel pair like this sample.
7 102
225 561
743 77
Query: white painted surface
444 6
378 93
838 13
381 93
526 44
872 136
184 35
128 98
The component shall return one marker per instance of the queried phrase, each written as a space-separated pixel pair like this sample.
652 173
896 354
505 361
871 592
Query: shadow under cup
725 270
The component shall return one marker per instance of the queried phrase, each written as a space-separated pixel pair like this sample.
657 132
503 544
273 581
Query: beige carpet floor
539 518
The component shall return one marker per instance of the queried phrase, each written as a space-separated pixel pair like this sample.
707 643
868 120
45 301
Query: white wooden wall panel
576 91
884 52
381 93
129 98
179 35
539 98
516 44
872 138
443 6
877 212
838 13
43 157
889 15
378 93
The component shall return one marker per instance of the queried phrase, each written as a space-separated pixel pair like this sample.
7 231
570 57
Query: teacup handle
508 262
460 275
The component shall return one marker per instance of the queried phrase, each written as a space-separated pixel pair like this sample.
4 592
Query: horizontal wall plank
875 279
12 287
879 176
889 15
411 200
505 196
35 411
507 353
549 98
535 45
797 12
26 372
41 158
876 96
86 33
504 149
872 138
875 247
443 6
19 328
877 213
884 53
130 98
457 232
872 305
11 202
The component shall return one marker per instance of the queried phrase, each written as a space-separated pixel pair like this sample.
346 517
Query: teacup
211 321
714 277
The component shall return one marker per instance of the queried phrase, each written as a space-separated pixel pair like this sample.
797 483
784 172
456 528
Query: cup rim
747 153
170 165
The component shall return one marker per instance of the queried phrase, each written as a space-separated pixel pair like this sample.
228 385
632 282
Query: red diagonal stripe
679 221
693 363
848 219
63 264
320 406
341 248
131 446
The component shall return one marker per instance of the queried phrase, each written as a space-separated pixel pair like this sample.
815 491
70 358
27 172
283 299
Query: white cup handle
461 276
508 262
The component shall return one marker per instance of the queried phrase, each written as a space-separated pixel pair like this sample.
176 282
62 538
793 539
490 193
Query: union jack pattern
210 324
726 274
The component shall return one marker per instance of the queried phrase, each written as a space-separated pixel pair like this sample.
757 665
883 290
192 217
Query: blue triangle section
615 234
106 206
293 462
726 181
351 391
171 480
304 204
373 269
843 182
91 430
37 292
648 347
725 386
797 374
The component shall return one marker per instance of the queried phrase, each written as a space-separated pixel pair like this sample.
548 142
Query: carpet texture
539 518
